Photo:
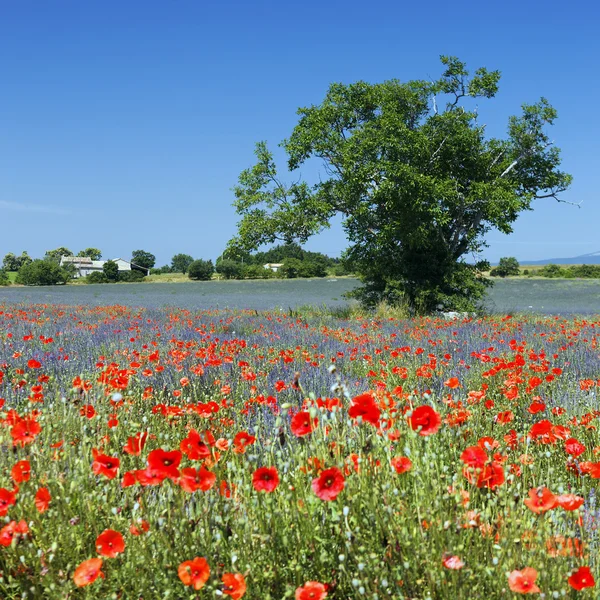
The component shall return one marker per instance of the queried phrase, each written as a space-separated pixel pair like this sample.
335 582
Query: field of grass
176 454
12 276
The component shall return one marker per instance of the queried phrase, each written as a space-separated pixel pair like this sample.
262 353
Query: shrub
257 272
551 271
507 267
42 272
133 276
525 271
201 270
230 269
96 277
4 277
111 270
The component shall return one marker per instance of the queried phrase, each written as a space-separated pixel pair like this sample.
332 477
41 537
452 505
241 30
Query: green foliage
201 270
96 277
57 254
161 270
132 276
551 271
230 269
143 259
14 263
181 262
418 186
584 271
42 272
93 253
4 280
507 267
257 272
111 270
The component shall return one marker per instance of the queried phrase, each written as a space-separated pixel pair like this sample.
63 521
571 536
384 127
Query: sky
124 125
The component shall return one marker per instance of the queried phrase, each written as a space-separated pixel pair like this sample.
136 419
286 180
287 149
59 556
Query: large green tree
143 259
93 253
416 180
58 253
181 262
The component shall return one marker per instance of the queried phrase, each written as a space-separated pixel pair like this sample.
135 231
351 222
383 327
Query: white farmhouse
84 265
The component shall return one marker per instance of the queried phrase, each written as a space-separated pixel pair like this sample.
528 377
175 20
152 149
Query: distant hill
585 259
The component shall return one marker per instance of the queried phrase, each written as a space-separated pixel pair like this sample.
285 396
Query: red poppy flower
425 419
540 500
135 444
24 431
110 543
474 456
523 582
401 464
165 462
34 364
302 424
582 578
194 447
311 590
21 471
241 441
265 479
42 499
149 477
194 572
8 532
452 562
7 499
574 448
365 406
87 572
144 526
234 585
569 501
329 484
105 465
452 383
192 479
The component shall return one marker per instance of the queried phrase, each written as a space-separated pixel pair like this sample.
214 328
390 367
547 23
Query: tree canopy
143 259
93 253
181 262
416 180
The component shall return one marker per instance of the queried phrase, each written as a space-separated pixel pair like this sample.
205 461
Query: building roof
82 260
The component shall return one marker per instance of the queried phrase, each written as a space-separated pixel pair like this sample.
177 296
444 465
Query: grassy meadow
153 453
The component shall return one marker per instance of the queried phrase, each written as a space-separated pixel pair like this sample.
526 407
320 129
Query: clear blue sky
124 125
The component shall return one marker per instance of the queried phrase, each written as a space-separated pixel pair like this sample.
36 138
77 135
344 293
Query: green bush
111 270
42 272
4 277
525 271
230 269
257 272
96 277
551 271
132 276
507 267
201 270
584 271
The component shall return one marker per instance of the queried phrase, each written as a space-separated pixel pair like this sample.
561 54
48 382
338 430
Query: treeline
509 267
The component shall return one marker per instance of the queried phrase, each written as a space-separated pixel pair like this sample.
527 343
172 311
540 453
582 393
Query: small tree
42 272
4 277
111 270
143 259
96 277
507 267
92 253
230 269
201 270
181 262
57 254
10 262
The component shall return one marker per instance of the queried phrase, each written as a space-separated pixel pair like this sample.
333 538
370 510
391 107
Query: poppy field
167 453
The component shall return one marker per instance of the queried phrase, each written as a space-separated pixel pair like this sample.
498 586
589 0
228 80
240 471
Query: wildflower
541 500
401 464
144 526
34 364
194 447
135 444
8 532
265 479
425 419
569 501
234 585
452 383
194 572
7 499
110 543
523 582
365 406
165 462
582 578
574 448
87 572
452 562
329 484
302 424
21 471
42 499
192 479
241 441
311 590
105 465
